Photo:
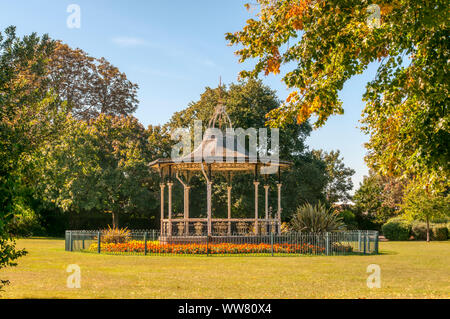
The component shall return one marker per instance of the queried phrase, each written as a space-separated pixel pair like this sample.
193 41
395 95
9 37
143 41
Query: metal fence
150 242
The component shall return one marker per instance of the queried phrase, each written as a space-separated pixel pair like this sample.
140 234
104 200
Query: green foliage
349 219
24 125
419 230
89 85
8 254
441 220
323 44
377 199
40 82
397 228
98 165
316 219
159 141
25 222
339 177
440 232
422 205
304 183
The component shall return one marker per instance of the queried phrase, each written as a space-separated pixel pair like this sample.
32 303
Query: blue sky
173 50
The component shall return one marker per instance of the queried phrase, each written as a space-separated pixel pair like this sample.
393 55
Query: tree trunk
428 230
115 219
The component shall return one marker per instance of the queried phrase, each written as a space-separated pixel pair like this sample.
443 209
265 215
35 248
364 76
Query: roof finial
220 114
220 89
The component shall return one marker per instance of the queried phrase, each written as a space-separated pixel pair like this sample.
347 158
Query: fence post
364 243
376 243
99 246
145 243
327 243
271 242
359 240
207 245
70 241
368 242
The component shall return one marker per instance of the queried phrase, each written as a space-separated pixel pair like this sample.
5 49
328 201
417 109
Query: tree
41 81
339 177
422 205
328 42
160 142
114 94
70 74
98 165
378 198
23 113
368 200
90 86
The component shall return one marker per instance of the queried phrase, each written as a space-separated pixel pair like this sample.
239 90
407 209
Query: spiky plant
115 235
316 219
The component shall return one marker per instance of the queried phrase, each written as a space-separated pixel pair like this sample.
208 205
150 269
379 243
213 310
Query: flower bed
223 248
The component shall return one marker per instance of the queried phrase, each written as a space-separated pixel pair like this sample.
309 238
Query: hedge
439 232
398 228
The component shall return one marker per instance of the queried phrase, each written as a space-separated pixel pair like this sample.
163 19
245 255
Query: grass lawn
408 270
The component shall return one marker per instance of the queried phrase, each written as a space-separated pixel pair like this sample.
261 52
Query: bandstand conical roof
219 150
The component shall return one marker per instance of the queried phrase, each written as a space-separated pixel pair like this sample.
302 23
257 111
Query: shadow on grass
388 252
42 238
131 254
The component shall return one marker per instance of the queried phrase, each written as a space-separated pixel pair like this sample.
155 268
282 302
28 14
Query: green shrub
316 219
441 220
349 219
439 232
25 222
396 229
419 230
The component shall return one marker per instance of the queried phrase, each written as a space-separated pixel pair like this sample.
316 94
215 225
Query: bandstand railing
219 226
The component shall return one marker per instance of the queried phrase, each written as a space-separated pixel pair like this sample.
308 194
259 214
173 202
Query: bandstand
216 155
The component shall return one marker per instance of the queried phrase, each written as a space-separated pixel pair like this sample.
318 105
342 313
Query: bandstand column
170 184
279 208
162 186
229 208
186 209
208 205
266 204
256 206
